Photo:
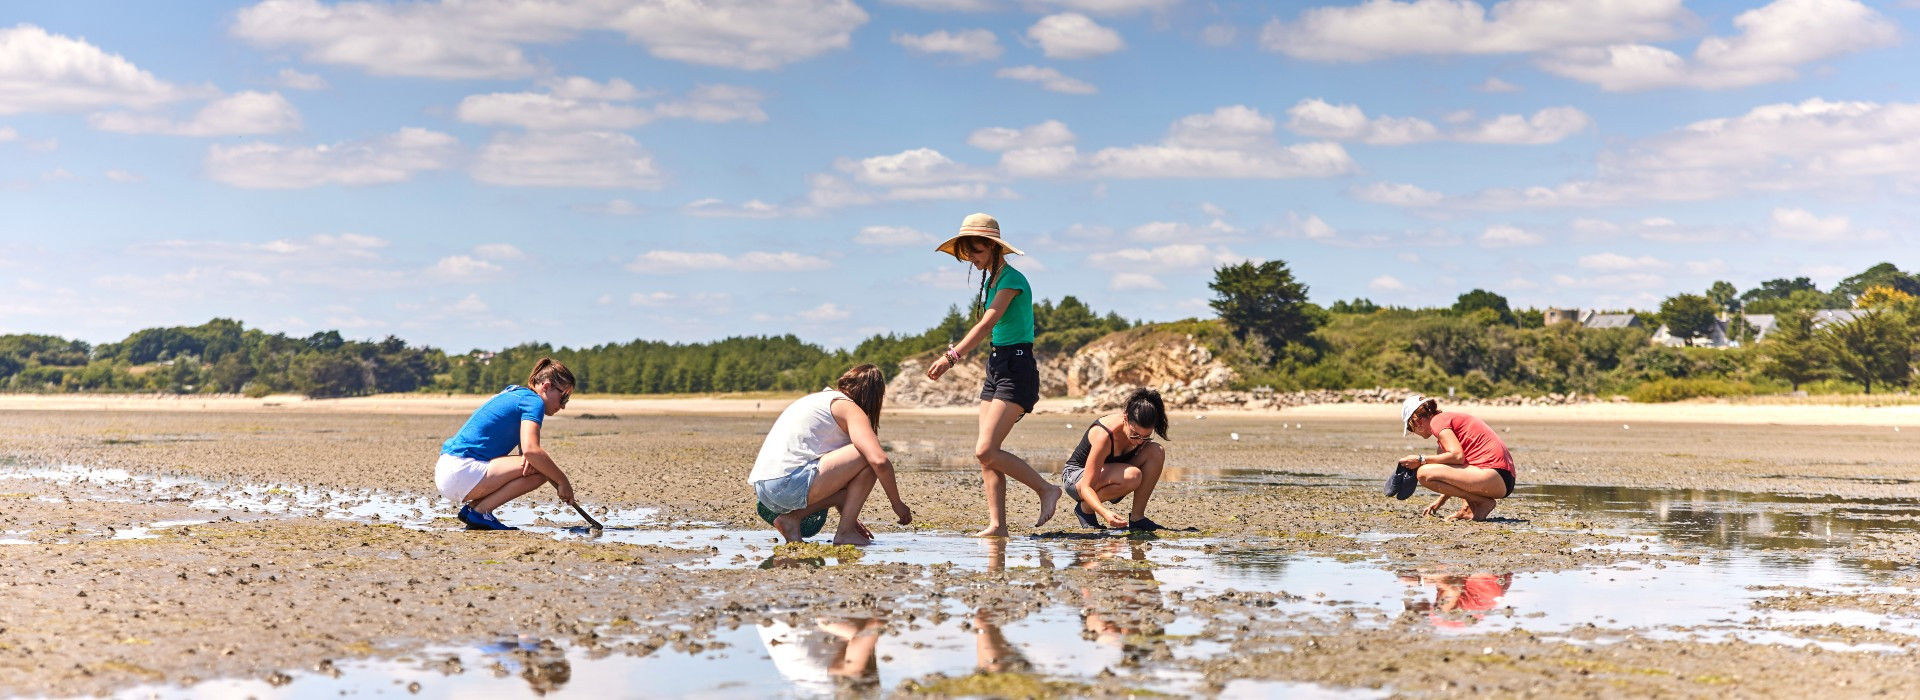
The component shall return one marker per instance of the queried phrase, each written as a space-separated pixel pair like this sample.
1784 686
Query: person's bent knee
984 454
1131 477
1154 455
1429 473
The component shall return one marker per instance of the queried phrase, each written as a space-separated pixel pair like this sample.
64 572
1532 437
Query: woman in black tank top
1116 457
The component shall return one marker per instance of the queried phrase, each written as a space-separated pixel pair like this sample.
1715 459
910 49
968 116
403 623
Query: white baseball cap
1407 408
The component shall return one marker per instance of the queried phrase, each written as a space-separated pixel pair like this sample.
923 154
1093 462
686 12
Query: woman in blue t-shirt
1013 373
477 467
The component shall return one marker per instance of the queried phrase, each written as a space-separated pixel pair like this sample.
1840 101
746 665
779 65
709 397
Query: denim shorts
788 493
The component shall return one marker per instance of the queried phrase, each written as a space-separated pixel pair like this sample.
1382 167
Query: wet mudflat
251 554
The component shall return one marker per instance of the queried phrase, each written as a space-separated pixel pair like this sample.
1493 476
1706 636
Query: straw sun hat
980 225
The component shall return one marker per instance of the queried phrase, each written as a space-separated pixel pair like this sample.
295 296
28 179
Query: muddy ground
259 593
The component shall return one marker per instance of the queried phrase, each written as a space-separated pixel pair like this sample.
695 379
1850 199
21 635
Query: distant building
1594 319
1553 316
1763 324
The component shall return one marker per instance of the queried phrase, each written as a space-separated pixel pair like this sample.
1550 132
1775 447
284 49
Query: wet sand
296 544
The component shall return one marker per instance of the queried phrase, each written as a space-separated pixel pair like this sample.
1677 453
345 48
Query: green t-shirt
1016 326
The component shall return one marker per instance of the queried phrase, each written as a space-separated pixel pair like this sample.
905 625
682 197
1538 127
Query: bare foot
1465 513
853 538
1482 513
992 531
1048 500
789 525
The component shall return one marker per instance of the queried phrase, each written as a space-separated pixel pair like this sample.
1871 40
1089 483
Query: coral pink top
1481 447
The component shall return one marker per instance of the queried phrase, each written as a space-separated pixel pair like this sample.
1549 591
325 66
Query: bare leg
503 483
996 421
1151 461
1479 487
844 481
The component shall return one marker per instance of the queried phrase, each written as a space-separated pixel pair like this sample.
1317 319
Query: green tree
1724 295
1483 299
1688 316
1263 301
1357 306
1885 274
1873 348
1794 352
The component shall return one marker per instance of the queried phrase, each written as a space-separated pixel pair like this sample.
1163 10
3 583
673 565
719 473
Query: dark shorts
1506 475
1070 481
1012 376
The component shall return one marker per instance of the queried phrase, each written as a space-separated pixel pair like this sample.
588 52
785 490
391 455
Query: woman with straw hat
1013 373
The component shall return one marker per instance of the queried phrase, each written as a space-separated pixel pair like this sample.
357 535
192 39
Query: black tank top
1079 458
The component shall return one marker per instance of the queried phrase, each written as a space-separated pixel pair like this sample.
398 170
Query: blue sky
488 172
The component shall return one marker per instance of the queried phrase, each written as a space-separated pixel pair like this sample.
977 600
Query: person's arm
1099 444
1450 452
978 334
854 420
538 460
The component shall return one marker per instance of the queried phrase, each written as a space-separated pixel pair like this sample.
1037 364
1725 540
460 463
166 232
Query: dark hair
1145 409
1427 409
549 368
867 387
995 260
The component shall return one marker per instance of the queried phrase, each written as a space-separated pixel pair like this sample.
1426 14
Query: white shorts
456 476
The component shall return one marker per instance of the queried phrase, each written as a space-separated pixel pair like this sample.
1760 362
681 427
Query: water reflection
828 657
539 662
1123 607
1458 601
1741 520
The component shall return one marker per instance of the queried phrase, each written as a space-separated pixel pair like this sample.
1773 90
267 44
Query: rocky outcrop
960 386
1183 371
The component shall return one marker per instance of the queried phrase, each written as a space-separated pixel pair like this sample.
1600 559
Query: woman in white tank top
824 452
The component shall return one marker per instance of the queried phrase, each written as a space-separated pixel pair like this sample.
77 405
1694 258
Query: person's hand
1410 461
526 467
1113 519
1435 506
939 367
565 492
903 513
862 527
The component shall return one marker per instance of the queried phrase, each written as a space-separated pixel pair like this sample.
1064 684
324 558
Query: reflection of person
824 452
1116 457
1013 373
1124 610
1473 595
829 656
1473 463
477 467
542 664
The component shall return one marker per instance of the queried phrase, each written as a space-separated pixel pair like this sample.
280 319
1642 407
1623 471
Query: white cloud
1049 79
916 167
1549 125
1317 118
967 45
1803 225
1182 232
1615 262
8 134
1111 7
655 299
471 305
245 113
613 207
296 80
498 251
321 248
574 159
825 312
393 158
999 138
1071 35
471 40
44 72
1309 227
1509 237
716 104
461 267
670 261
1049 161
1396 194
1706 267
1773 41
1626 281
1132 281
751 209
1182 256
1387 283
947 5
893 236
581 104
575 87
1496 85
1230 142
1381 28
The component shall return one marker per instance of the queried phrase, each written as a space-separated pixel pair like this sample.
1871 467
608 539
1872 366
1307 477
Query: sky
482 173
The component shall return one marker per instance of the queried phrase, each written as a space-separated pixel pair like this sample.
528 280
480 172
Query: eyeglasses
1139 438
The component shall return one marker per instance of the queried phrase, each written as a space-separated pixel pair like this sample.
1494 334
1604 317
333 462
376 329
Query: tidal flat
274 554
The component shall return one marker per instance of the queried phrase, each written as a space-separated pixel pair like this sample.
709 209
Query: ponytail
1145 409
867 388
549 369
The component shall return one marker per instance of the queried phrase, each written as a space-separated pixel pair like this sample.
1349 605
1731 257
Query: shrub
1667 390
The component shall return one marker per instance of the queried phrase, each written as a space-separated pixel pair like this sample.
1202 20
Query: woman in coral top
1473 463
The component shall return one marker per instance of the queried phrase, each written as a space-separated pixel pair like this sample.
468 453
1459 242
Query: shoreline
1686 412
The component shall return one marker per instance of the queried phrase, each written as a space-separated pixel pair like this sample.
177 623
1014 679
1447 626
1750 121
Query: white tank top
802 433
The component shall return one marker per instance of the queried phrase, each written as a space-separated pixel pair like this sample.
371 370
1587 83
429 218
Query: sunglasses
1141 438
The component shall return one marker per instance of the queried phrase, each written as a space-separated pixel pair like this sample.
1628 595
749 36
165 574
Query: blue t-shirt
494 430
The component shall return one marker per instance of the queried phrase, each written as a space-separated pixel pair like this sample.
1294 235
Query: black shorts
1506 475
1012 376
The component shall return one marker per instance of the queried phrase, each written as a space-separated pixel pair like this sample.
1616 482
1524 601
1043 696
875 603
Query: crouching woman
824 452
1473 463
